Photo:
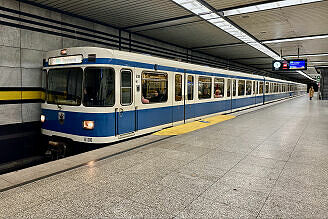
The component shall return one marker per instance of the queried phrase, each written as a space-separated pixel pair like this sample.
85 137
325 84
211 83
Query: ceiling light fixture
319 62
267 6
214 18
296 39
219 21
305 75
306 55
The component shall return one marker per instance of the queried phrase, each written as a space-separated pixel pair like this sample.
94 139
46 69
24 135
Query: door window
234 87
228 87
126 87
178 87
241 87
248 87
190 87
261 88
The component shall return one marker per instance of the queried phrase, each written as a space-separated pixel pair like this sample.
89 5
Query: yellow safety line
21 95
192 126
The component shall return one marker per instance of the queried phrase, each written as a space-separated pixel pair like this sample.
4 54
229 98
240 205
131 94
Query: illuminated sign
289 65
64 60
297 64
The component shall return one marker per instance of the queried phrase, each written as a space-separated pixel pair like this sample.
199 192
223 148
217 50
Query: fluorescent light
319 62
212 17
267 6
305 75
306 55
296 39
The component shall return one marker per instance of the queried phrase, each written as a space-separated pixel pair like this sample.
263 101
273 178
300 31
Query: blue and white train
97 95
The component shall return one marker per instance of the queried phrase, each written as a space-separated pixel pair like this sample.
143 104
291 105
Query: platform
266 163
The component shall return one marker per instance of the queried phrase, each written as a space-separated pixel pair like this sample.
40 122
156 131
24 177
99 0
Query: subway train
97 95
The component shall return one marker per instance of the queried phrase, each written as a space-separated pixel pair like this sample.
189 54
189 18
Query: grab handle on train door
120 111
116 122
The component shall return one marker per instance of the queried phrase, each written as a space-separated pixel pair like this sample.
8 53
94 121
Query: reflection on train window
65 86
99 87
43 84
190 87
253 87
178 87
261 87
126 87
228 87
154 87
234 87
248 87
241 87
218 87
204 87
266 87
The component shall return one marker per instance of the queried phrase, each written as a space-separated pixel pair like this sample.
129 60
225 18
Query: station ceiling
169 22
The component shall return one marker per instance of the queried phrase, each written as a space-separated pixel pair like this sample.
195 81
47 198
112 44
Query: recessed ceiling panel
192 35
119 13
242 51
223 4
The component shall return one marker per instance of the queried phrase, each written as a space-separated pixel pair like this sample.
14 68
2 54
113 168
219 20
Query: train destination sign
289 65
64 60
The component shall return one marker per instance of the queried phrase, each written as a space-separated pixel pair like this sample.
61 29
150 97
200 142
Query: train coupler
56 150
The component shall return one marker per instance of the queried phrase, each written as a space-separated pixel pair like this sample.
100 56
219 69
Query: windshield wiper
56 101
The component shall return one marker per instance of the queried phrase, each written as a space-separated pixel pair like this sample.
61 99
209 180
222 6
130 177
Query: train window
154 87
241 87
257 87
234 87
99 87
190 87
253 87
248 87
266 87
280 88
275 87
204 87
228 87
261 87
65 86
218 87
126 87
178 87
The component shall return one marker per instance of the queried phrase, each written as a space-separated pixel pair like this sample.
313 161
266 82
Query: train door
178 100
234 94
190 96
229 94
254 89
125 113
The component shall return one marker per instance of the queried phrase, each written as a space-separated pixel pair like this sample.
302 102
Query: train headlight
43 118
88 125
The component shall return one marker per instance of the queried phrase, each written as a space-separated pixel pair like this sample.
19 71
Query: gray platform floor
267 163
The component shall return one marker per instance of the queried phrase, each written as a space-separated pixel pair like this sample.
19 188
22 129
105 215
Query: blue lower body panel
109 124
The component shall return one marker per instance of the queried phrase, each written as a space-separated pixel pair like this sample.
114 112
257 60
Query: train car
97 95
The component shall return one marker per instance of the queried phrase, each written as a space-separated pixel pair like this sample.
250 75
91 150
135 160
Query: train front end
79 96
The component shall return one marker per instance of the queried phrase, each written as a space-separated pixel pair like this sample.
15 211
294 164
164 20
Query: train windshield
99 87
65 86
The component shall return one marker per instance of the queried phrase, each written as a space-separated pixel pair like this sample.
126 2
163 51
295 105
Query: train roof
144 58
